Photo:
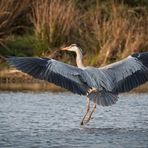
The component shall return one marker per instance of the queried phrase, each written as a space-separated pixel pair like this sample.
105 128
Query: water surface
52 120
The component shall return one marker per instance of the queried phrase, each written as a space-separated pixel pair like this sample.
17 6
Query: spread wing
128 73
64 75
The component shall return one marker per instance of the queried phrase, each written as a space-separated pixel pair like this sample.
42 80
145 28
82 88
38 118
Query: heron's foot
88 116
82 123
85 118
92 90
87 111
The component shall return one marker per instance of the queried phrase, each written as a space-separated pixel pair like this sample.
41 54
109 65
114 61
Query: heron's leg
88 107
94 107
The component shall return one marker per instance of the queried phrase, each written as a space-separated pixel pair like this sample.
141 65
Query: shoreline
14 80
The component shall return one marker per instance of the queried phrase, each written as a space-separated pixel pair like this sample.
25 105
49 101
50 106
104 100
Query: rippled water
52 120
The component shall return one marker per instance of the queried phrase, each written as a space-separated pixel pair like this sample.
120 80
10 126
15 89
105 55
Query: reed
54 22
115 31
10 13
106 30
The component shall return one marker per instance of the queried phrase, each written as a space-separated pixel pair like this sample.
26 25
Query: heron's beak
65 48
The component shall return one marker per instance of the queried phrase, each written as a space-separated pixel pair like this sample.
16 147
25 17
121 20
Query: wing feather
64 75
128 73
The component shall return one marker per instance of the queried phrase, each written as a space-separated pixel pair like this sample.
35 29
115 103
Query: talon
92 90
82 123
86 118
89 117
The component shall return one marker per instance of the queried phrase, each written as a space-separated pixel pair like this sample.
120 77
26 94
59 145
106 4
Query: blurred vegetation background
106 30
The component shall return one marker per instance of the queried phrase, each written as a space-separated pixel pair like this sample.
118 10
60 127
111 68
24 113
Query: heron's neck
79 59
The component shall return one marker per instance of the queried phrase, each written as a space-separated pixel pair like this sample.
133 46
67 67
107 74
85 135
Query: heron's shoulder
91 69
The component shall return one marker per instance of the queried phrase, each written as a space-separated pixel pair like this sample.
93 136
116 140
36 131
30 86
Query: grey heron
99 85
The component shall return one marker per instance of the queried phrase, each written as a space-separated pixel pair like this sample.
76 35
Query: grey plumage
127 74
100 84
64 75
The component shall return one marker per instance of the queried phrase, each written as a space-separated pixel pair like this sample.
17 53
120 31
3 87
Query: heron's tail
103 98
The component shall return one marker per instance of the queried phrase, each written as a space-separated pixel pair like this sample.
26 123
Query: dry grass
54 21
107 30
10 11
117 31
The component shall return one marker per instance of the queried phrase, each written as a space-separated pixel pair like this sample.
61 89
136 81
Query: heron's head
72 47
